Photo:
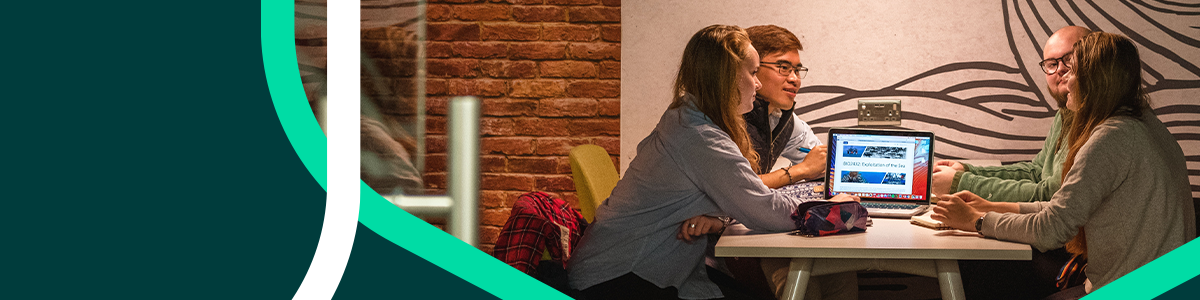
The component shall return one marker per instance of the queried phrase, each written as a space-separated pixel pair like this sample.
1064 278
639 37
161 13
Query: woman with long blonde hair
649 237
1125 198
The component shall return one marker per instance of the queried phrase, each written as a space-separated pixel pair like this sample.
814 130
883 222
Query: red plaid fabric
538 222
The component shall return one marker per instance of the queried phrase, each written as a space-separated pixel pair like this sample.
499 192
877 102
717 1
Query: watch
979 223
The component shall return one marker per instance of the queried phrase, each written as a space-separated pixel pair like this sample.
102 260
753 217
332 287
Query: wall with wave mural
965 70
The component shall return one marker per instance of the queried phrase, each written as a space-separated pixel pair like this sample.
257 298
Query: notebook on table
926 219
888 169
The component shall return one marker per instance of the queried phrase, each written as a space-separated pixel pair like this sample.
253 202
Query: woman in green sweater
1118 208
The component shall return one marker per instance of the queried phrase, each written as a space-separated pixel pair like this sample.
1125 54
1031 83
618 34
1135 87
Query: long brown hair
1108 71
708 71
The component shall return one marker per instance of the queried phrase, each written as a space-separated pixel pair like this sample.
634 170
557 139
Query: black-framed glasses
1051 65
785 68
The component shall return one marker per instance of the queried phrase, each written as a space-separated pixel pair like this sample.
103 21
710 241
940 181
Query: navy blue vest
768 143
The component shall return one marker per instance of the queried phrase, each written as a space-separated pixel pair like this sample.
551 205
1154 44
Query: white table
889 245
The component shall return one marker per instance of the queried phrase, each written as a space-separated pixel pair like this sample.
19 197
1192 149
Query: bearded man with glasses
1029 181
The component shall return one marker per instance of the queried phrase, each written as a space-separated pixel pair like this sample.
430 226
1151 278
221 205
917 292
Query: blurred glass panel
393 96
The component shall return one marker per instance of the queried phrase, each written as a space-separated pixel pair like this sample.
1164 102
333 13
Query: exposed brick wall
548 72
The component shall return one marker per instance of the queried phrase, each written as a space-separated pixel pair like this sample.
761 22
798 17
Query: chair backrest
595 177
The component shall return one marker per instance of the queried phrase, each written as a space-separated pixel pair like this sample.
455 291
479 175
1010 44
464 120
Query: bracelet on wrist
789 175
724 224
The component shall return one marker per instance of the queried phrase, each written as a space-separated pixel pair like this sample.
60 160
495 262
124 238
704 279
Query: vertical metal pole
419 130
463 172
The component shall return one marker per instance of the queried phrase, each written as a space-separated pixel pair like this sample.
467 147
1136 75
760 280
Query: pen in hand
805 150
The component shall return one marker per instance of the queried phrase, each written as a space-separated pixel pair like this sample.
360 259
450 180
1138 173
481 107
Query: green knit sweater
1029 181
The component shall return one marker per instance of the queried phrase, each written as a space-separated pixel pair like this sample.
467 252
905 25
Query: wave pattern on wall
1007 96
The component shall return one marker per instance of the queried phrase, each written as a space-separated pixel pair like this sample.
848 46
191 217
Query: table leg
797 281
949 279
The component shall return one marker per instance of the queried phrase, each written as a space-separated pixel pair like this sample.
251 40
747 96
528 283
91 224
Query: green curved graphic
283 80
1156 277
389 221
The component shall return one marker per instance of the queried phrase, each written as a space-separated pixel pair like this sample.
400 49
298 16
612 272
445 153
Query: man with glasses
782 140
1035 180
1029 181
788 150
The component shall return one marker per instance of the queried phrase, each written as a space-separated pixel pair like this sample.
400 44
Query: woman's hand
697 226
953 211
975 201
983 205
845 198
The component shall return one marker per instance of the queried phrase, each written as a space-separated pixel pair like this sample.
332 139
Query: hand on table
983 205
953 211
845 198
697 226
975 201
943 177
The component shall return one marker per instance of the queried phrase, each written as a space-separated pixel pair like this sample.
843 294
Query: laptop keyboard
889 205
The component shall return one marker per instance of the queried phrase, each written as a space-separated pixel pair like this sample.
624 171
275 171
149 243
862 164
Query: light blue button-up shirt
686 167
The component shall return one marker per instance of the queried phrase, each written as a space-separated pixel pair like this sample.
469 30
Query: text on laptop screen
883 167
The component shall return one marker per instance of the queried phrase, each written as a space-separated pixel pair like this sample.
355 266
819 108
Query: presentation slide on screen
875 166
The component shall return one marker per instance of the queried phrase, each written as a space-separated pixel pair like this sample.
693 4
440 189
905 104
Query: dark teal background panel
378 269
1189 290
142 157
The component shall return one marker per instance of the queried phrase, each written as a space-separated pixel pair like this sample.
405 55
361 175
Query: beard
1059 98
1067 118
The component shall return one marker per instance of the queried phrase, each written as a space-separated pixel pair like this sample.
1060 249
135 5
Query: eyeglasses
785 69
1051 65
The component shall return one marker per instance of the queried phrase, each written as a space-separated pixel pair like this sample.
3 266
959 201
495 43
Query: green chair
594 176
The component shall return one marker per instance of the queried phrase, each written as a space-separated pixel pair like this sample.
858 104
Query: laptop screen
879 164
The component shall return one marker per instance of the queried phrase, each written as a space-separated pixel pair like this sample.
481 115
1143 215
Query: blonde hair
1108 71
708 71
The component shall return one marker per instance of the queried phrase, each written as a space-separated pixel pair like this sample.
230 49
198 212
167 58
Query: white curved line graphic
341 204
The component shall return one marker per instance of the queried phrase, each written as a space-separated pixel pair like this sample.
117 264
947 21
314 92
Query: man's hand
820 153
697 226
813 165
954 212
845 198
957 166
943 177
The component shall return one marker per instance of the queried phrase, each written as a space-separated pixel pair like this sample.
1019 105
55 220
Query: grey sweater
686 167
1128 189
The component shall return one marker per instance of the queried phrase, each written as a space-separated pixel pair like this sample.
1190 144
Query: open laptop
888 169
